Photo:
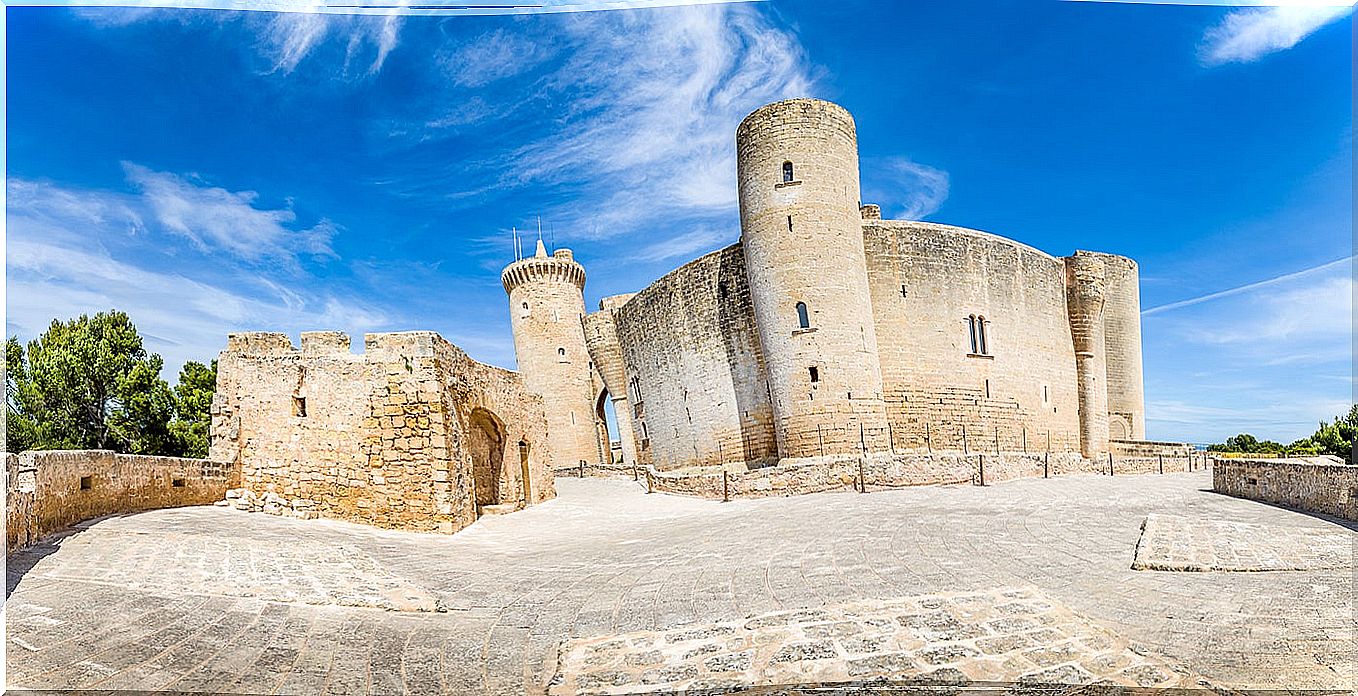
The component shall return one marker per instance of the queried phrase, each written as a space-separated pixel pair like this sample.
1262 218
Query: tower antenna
539 228
514 234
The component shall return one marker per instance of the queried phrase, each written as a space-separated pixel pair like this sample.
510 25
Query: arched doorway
488 452
606 421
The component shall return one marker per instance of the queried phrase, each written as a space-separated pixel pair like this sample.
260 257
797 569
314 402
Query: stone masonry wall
689 341
412 434
927 280
49 490
877 471
1331 489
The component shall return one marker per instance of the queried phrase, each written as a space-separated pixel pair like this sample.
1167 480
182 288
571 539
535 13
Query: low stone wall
1149 448
881 471
1331 489
49 490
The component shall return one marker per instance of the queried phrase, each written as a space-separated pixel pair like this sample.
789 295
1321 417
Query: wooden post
582 468
1046 465
634 469
1110 463
725 486
982 458
862 443
862 483
997 439
1025 438
891 436
648 480
928 439
820 438
1162 463
965 450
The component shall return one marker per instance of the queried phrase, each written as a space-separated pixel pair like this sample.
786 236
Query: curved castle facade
827 331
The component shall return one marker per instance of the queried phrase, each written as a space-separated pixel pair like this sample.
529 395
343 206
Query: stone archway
487 443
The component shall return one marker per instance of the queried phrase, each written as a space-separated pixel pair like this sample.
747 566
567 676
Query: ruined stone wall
927 281
689 341
1331 489
49 490
395 437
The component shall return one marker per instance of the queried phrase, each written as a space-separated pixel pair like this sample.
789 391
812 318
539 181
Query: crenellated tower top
560 266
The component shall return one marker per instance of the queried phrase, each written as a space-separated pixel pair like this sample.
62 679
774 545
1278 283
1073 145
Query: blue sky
212 171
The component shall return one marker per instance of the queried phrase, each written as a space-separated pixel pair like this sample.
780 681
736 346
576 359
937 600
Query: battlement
560 267
325 342
259 343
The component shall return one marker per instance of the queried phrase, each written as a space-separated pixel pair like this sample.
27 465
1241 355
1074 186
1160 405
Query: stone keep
547 309
802 234
916 336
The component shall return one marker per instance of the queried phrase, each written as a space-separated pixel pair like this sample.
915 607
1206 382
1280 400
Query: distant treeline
88 383
1334 438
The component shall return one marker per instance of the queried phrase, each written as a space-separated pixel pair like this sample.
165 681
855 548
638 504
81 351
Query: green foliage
1335 437
193 402
89 383
1244 442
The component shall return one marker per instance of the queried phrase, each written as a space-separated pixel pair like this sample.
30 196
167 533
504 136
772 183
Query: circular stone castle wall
928 281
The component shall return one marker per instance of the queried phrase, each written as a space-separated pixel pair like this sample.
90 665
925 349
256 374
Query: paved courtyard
215 600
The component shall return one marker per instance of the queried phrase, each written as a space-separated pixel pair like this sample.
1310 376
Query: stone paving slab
605 558
223 564
1015 635
1175 542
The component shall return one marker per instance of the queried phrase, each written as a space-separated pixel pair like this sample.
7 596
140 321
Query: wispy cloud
688 244
1249 34
71 251
214 218
907 190
1249 287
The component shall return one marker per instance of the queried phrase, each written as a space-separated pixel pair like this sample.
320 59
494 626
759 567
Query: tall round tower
546 304
801 230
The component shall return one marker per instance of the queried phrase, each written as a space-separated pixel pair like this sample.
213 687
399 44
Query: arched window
971 330
803 319
980 335
561 353
787 172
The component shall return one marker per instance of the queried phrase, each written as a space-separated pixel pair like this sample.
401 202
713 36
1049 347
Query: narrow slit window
787 172
815 374
981 335
803 318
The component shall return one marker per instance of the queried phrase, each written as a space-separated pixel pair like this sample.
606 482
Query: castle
825 335
828 331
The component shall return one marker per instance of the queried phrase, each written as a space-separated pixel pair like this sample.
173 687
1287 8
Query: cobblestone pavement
150 606
1013 634
1174 542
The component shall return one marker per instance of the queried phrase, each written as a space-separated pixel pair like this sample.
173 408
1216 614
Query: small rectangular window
86 483
815 375
177 483
299 406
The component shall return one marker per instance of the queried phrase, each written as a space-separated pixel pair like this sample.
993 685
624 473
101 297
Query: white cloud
654 98
74 251
1248 34
906 190
687 245
494 56
214 218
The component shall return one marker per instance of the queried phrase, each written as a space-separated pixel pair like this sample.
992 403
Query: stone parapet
53 489
1331 489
